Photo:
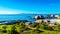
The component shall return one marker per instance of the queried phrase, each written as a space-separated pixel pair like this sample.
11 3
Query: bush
4 29
50 28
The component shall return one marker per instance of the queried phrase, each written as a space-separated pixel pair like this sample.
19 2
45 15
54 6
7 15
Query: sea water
29 17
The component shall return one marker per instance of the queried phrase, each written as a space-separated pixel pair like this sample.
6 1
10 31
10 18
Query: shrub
50 28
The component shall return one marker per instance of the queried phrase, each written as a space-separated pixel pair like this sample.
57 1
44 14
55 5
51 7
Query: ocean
29 17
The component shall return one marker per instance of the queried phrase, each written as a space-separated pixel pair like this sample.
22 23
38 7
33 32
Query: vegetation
34 28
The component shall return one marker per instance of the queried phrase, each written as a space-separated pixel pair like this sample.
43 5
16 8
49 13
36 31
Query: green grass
9 28
50 32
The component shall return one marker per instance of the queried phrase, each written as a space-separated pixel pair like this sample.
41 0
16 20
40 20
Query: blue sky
30 6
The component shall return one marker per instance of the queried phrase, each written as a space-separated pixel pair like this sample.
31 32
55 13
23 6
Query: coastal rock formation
57 16
50 16
39 17
42 20
57 21
38 21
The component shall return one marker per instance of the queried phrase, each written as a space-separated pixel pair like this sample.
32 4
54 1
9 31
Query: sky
30 6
